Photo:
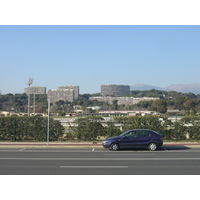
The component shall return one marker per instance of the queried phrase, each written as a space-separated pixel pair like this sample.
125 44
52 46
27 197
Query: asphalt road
168 160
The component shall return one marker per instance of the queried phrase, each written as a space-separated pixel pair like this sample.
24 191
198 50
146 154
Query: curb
79 145
50 145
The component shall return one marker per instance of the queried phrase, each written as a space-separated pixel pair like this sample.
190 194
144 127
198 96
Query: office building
123 100
65 93
35 90
115 90
60 94
71 87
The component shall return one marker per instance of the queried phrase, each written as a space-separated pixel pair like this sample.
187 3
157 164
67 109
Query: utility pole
48 122
34 102
30 81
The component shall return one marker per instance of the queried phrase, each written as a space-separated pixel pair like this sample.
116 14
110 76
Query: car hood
113 138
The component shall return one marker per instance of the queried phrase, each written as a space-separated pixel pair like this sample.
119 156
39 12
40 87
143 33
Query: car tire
152 146
114 147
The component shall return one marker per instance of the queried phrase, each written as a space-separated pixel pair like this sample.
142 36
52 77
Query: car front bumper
106 144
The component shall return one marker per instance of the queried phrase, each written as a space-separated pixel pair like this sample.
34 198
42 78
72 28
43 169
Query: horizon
167 88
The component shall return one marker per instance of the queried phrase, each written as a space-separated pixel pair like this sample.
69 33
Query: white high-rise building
35 90
65 93
115 90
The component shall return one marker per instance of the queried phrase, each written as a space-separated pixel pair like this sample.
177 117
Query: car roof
155 132
140 130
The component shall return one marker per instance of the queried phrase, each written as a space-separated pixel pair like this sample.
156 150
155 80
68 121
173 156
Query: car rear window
156 134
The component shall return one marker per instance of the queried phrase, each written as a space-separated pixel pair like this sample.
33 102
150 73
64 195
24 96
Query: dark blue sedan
137 138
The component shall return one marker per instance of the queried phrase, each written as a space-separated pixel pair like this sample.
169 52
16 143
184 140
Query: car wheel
114 147
152 146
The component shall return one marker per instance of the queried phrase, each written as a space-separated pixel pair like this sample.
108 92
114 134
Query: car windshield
124 133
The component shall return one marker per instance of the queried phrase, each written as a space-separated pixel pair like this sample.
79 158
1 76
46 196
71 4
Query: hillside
184 88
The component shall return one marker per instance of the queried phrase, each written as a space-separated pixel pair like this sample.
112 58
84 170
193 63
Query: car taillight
160 139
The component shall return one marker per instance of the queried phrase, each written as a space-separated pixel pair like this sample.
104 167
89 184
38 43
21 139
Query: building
127 112
122 100
115 90
65 93
35 90
60 94
71 87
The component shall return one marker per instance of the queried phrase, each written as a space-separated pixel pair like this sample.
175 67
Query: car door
143 138
128 140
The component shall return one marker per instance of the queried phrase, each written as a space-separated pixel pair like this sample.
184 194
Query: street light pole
30 81
48 122
34 102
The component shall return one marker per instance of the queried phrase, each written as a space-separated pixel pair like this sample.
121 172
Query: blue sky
89 56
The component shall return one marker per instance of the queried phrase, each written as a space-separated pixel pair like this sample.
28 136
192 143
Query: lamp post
34 102
48 122
30 81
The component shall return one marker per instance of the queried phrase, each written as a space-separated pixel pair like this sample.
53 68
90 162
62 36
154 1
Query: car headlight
106 142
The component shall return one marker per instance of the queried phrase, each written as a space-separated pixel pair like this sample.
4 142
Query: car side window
143 134
131 134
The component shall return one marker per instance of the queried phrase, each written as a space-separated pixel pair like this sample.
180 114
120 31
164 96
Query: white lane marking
99 159
22 149
93 149
93 166
11 150
117 154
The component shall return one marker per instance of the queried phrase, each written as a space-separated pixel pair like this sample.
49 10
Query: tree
159 105
60 103
89 128
115 105
144 104
18 102
179 101
190 105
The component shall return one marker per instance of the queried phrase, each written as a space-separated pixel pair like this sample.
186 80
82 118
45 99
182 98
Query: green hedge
88 128
92 128
186 128
29 129
189 126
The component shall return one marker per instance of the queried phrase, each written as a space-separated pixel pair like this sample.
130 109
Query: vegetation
89 128
19 102
95 128
188 103
161 94
29 129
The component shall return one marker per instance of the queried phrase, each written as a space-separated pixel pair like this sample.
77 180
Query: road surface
91 161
